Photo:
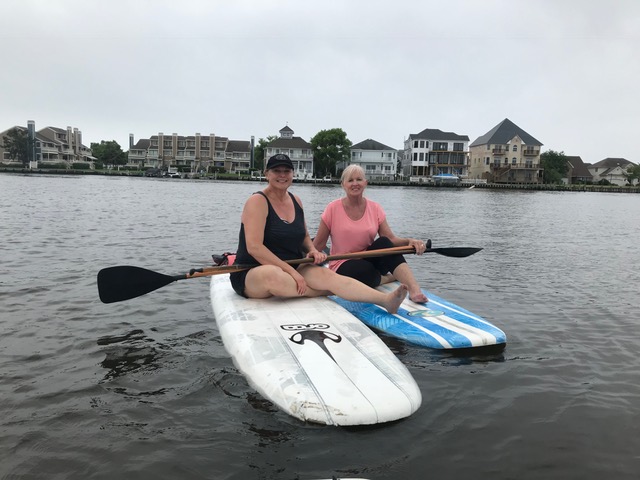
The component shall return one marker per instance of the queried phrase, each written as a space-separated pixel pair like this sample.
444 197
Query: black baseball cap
278 160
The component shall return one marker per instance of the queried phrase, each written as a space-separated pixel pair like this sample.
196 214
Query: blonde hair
350 170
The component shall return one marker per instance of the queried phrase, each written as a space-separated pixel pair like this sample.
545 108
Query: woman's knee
381 242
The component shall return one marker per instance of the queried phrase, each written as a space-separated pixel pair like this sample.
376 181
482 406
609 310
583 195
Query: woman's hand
318 257
301 283
419 245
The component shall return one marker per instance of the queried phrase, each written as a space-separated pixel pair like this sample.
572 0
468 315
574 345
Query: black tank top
282 238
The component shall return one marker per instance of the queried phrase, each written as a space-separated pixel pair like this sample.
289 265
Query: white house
434 152
378 161
297 149
610 169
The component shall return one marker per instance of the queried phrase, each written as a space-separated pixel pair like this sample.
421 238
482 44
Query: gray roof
436 134
369 144
142 144
293 142
286 128
578 167
239 146
612 163
503 133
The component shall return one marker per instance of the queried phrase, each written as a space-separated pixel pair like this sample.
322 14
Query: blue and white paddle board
313 359
436 324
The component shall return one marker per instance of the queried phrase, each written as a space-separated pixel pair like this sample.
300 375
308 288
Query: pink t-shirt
348 236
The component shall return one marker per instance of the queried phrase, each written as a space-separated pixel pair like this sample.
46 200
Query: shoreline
232 178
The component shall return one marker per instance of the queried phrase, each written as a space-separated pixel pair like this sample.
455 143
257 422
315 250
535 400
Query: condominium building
434 152
299 151
506 154
194 153
378 161
51 145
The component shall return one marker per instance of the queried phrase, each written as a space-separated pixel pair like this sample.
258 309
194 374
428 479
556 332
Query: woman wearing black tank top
273 230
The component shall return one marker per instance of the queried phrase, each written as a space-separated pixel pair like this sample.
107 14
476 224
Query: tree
109 153
329 148
555 166
633 173
18 145
258 151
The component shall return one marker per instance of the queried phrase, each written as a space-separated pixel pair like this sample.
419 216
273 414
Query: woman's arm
308 245
322 235
385 231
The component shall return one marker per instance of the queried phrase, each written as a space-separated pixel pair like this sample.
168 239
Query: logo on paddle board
426 313
313 332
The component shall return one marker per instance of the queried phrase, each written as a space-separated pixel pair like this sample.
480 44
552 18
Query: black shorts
237 282
370 270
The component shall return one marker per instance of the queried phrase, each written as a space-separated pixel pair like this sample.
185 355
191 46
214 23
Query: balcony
531 152
515 166
499 151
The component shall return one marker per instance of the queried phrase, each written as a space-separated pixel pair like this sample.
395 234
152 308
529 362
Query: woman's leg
398 267
268 280
361 270
323 281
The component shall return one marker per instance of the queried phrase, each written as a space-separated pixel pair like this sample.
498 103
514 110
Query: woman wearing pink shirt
354 224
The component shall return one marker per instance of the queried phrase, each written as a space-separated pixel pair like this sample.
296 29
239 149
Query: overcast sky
565 71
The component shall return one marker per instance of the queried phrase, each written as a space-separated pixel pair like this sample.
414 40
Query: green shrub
81 166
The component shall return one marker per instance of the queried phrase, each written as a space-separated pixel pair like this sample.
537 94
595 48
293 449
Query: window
415 144
421 143
515 148
458 147
442 146
422 156
415 157
513 161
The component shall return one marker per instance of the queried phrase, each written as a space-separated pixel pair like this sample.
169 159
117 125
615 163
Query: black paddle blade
458 252
124 282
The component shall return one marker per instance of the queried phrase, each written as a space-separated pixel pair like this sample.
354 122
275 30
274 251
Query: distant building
577 171
298 150
506 154
378 161
434 152
52 145
610 169
193 153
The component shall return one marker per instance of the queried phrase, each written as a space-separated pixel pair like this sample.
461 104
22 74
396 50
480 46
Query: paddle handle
208 271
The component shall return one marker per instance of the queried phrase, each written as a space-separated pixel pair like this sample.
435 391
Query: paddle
124 282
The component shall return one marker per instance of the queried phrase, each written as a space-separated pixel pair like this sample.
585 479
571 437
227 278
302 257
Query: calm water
144 389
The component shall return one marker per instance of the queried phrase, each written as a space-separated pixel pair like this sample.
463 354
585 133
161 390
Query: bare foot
395 298
388 278
418 297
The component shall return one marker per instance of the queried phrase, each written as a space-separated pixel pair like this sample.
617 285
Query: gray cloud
564 70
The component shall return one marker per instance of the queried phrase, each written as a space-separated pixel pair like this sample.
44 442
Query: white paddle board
313 359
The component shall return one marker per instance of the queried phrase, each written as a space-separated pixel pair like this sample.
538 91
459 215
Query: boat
445 179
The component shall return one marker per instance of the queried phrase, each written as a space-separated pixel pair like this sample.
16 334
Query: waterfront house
297 149
52 145
378 161
506 154
192 153
434 152
577 171
612 170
